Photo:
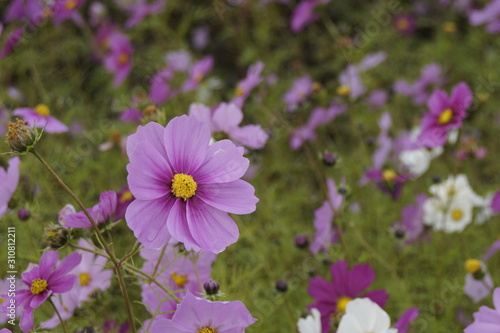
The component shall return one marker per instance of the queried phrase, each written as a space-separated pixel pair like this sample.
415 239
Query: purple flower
412 220
404 23
323 218
43 280
141 9
301 89
200 315
119 58
160 89
9 178
304 14
200 37
444 115
39 116
495 203
12 40
388 181
377 99
245 86
478 288
332 297
125 198
226 119
406 319
489 15
132 115
430 76
66 9
100 212
31 10
197 73
487 320
179 61
184 187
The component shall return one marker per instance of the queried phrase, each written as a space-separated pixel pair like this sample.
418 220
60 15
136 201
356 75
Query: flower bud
23 214
301 241
329 159
211 287
21 138
281 286
55 236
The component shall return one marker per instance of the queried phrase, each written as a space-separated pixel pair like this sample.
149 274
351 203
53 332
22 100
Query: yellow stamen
126 196
450 27
38 286
445 117
84 279
240 92
123 58
198 77
2 300
43 110
70 4
149 110
457 214
402 24
342 303
207 329
180 280
343 91
389 175
183 186
472 265
317 87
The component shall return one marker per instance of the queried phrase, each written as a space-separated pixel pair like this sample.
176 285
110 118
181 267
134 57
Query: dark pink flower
404 23
332 297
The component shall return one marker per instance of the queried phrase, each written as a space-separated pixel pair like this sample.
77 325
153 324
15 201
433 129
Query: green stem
59 316
136 248
113 259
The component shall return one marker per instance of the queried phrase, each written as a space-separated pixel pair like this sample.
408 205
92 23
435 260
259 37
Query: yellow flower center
180 280
342 303
389 175
402 24
149 110
126 196
343 91
42 110
445 117
198 77
70 4
457 214
240 92
317 86
38 286
84 279
123 58
450 27
2 300
472 265
183 186
207 329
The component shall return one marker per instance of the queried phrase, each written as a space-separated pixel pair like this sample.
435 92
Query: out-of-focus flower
304 14
478 282
200 315
178 60
412 221
197 73
333 297
404 23
9 178
244 87
489 15
200 37
63 10
39 116
430 76
226 119
138 10
100 212
486 319
119 57
184 187
301 89
13 39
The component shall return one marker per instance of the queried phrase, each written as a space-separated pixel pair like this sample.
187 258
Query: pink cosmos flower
226 118
487 320
67 9
245 86
12 40
140 9
197 73
304 14
43 280
39 116
489 15
430 76
100 212
178 272
404 23
31 10
160 89
9 178
326 234
444 115
332 297
411 225
184 187
119 58
200 315
301 89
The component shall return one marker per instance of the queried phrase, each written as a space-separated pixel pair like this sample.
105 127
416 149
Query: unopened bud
21 138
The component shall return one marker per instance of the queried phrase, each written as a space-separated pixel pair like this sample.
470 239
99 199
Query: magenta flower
495 203
489 15
487 320
39 116
245 86
124 199
444 115
160 89
31 10
184 187
12 40
100 212
43 280
304 14
388 181
404 23
200 315
332 297
197 73
412 221
301 89
141 9
119 58
226 119
132 115
66 9
9 178
323 218
406 319
431 75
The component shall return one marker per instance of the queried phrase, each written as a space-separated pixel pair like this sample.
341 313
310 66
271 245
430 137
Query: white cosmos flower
310 324
451 216
454 186
362 315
